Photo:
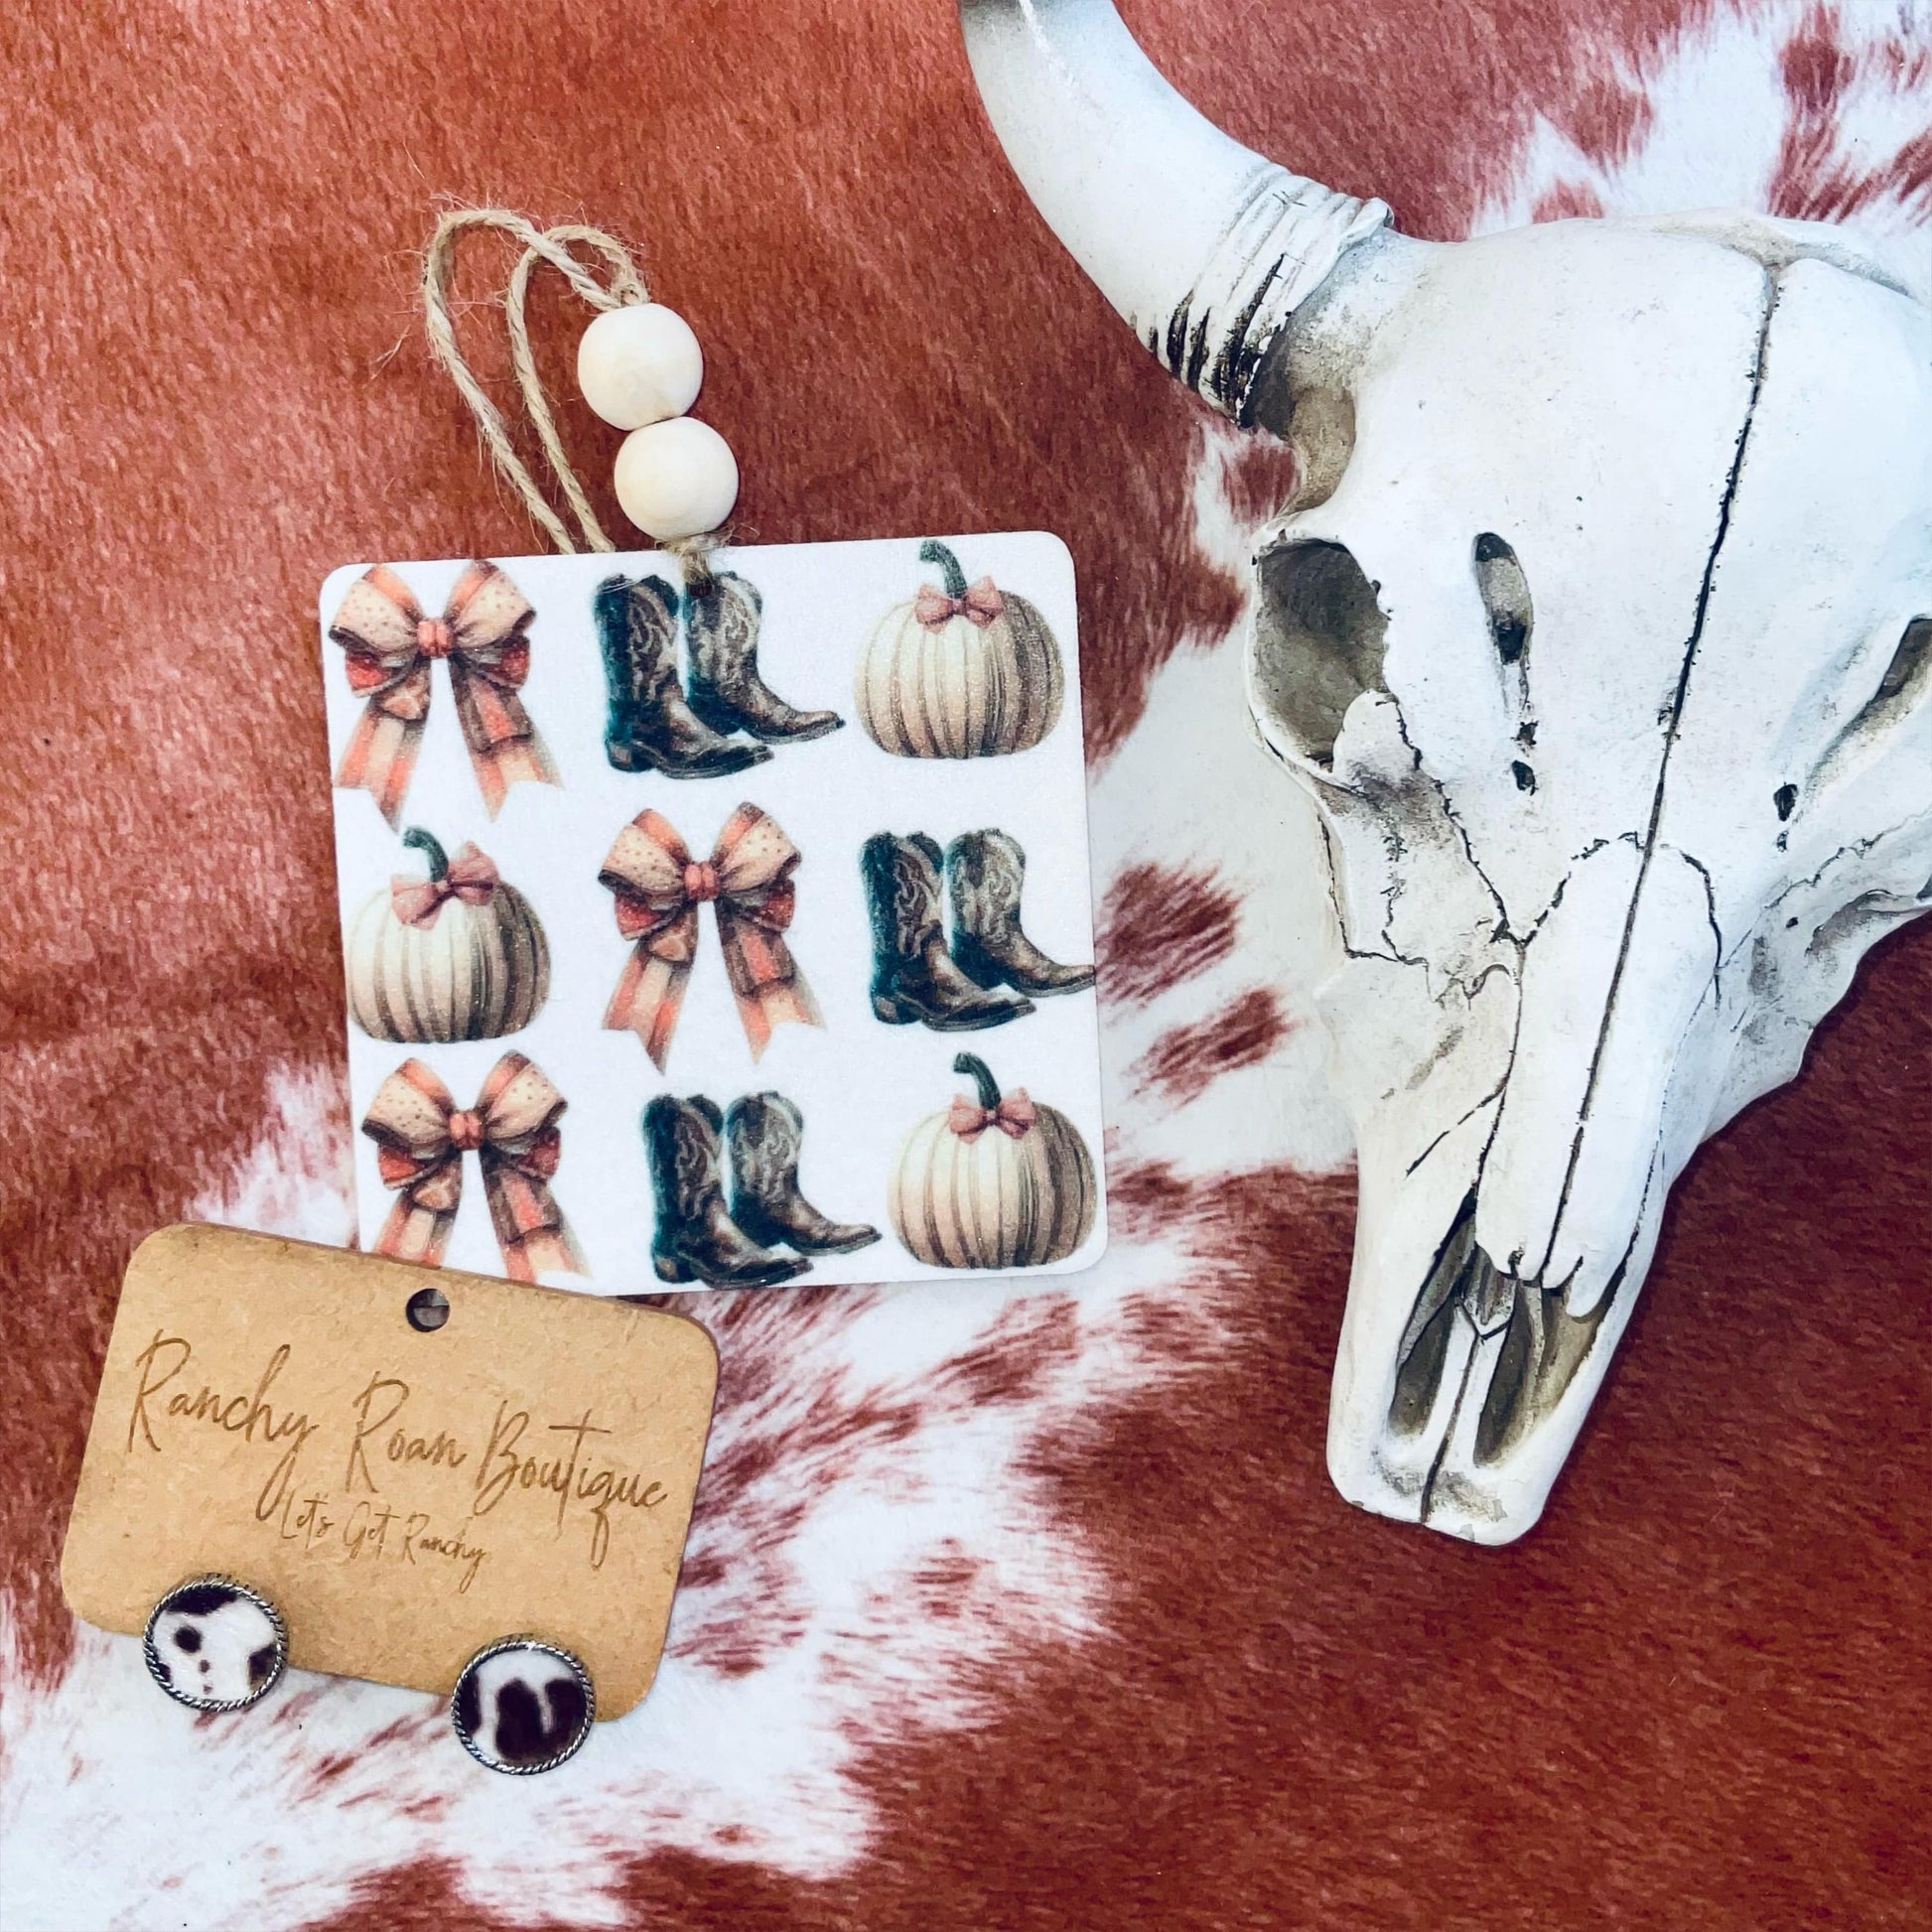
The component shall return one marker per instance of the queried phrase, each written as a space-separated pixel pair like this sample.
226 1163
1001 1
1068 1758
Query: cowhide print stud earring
213 1644
523 1705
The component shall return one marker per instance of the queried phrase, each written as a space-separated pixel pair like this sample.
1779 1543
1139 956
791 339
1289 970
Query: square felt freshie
591 923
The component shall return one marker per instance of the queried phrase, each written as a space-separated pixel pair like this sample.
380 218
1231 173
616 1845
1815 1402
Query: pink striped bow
390 644
421 1136
979 604
658 886
1015 1114
471 877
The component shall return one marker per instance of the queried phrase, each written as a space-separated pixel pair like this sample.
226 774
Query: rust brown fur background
1698 1695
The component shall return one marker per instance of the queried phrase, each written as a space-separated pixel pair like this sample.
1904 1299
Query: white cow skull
1599 633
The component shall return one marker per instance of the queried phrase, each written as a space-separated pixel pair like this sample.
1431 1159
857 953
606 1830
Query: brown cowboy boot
913 977
721 620
763 1132
987 871
695 1237
651 728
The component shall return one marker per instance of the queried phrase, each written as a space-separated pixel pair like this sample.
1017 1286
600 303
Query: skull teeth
1522 1347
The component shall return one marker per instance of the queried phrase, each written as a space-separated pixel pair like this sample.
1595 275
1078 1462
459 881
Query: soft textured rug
1002 1609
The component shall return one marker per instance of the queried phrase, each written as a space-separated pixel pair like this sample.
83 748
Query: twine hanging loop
558 247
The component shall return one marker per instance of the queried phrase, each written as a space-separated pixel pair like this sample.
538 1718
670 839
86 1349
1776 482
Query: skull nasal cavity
1505 594
1904 687
1906 681
1318 641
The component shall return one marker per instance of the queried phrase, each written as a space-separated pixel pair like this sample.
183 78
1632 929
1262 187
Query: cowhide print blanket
1029 1609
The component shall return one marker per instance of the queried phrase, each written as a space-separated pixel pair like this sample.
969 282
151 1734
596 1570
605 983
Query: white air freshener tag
656 977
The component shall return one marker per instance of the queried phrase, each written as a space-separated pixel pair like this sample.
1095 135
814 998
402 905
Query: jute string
552 245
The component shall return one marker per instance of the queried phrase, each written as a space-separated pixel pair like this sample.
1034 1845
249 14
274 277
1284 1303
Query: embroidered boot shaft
696 1238
722 614
763 1134
913 977
651 728
987 872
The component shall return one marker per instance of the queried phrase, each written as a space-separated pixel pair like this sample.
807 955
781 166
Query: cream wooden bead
676 478
639 365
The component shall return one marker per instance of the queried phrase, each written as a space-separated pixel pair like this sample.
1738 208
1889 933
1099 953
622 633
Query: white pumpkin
968 672
996 1183
458 956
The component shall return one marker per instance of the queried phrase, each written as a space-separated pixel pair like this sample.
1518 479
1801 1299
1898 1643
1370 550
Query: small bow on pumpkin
391 646
1012 1115
469 876
979 604
421 1137
659 888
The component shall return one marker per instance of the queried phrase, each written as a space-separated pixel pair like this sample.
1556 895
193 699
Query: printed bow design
471 877
979 604
659 888
421 1137
391 646
1015 1114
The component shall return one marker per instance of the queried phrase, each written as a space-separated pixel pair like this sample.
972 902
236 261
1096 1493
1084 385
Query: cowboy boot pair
697 1238
651 727
987 871
913 976
655 725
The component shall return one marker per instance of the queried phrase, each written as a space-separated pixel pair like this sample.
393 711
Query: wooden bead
676 478
639 365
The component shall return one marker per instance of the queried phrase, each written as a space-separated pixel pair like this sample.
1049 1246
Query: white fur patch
294 1180
1720 118
1193 789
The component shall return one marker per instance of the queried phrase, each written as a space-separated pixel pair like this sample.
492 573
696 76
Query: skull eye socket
1319 636
1505 594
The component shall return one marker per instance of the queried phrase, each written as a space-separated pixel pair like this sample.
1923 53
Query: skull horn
1206 247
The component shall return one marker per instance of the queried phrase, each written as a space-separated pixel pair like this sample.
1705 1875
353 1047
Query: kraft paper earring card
401 1469
723 922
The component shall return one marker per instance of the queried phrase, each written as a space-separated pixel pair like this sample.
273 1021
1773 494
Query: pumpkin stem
439 859
932 551
982 1078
